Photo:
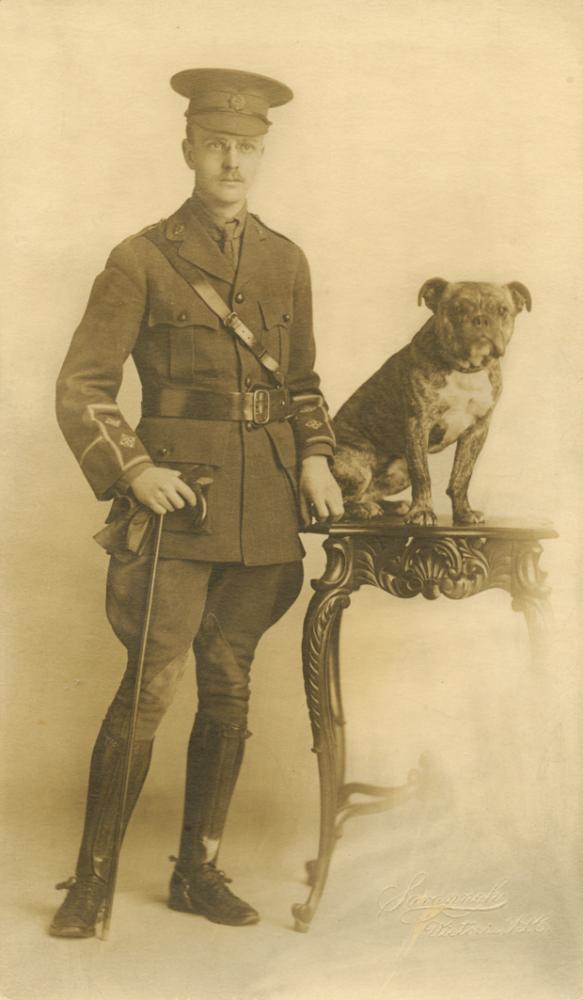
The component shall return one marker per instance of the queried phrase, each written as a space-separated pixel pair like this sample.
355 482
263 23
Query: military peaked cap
230 100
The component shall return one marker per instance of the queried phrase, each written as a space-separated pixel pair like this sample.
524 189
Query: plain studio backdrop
425 138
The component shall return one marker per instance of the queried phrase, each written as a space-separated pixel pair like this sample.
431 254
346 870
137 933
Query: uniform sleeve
311 422
102 441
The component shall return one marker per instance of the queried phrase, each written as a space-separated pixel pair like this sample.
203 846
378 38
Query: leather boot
80 912
215 754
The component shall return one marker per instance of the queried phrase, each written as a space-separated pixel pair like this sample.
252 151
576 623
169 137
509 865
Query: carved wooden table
405 561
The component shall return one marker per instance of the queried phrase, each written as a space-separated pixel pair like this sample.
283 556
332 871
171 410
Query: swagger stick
112 877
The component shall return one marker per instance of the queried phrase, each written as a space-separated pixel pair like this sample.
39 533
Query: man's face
225 165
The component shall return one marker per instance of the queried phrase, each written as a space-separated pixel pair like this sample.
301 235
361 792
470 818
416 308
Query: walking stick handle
112 876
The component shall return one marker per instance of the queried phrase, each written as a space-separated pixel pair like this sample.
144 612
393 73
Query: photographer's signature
456 913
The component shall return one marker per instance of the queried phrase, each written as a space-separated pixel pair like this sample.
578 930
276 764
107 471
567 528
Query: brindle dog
440 388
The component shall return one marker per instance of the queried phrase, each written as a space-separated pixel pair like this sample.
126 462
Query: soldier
232 448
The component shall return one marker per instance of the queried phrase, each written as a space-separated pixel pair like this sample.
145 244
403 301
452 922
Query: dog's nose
481 321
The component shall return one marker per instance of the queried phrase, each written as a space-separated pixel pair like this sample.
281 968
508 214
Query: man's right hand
162 489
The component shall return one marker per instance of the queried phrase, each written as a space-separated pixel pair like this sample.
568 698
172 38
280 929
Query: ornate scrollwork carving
322 614
528 582
454 566
338 572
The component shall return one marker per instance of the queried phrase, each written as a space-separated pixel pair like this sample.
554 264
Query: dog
442 387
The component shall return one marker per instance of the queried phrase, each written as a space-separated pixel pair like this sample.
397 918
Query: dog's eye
502 311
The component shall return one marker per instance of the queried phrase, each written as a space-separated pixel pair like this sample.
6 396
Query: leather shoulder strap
216 304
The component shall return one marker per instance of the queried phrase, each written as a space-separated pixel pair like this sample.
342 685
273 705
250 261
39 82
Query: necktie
229 244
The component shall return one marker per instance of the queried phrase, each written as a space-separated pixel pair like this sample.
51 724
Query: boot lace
208 871
87 892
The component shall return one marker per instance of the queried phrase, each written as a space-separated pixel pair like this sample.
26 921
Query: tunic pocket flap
274 312
189 442
181 312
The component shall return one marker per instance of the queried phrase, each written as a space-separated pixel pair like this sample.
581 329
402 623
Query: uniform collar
214 225
196 245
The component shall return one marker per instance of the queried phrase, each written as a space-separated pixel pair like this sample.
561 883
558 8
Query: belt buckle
261 406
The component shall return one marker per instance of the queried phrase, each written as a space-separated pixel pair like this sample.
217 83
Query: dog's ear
431 293
521 296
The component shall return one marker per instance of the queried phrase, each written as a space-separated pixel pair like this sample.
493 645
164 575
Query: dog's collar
467 371
447 362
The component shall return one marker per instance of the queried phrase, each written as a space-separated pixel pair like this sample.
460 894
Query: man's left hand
320 494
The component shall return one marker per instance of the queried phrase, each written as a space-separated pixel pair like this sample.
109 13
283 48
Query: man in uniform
232 449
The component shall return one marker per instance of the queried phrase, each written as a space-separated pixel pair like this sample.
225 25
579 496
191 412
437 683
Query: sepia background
433 137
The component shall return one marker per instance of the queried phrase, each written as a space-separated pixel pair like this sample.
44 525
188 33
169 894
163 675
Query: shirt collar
213 225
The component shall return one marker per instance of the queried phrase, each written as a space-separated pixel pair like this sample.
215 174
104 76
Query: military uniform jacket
141 306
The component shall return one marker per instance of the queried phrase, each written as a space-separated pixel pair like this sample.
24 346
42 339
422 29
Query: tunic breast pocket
277 316
190 330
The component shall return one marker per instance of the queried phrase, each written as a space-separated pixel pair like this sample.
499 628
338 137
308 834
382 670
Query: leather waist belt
259 406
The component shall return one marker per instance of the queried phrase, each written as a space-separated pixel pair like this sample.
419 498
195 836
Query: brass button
182 316
286 317
162 452
248 381
249 425
239 297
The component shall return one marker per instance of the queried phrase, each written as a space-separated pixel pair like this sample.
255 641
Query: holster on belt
129 524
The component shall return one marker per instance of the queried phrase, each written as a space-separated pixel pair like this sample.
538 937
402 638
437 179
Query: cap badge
237 102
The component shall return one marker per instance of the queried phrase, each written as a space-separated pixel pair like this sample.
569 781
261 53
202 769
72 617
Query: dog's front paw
466 515
395 508
362 510
421 513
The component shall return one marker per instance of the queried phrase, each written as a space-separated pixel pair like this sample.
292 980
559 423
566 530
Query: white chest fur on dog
463 398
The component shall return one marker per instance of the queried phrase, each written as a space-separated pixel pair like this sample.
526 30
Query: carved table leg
537 614
336 701
321 662
530 596
320 653
338 722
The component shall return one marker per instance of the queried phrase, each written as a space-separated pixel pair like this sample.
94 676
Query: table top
395 527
